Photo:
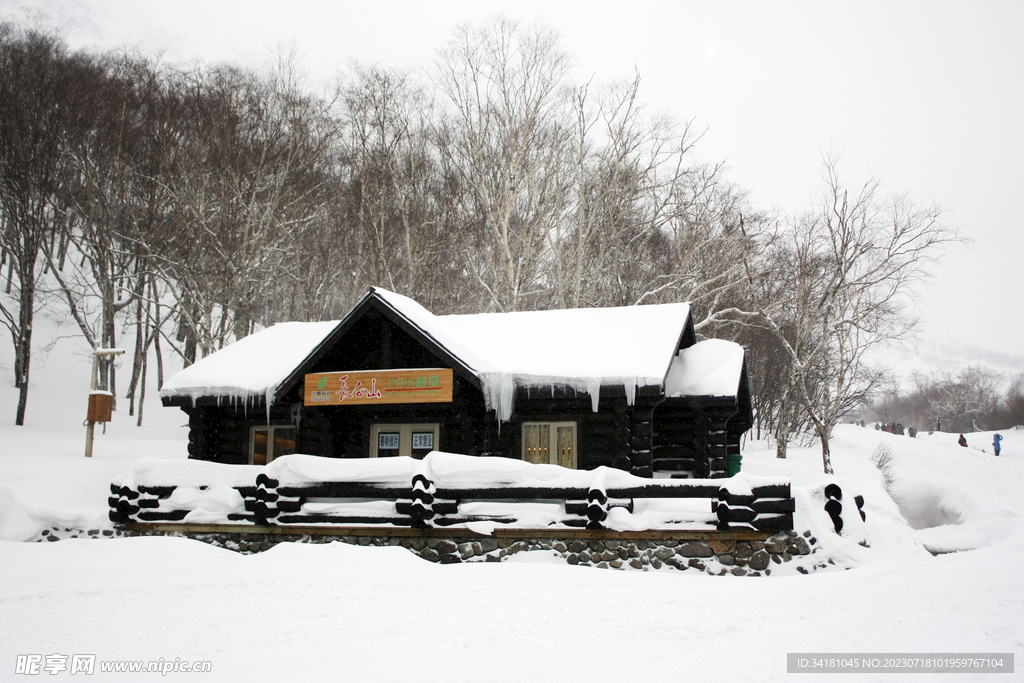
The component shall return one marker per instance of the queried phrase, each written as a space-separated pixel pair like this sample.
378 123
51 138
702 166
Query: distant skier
962 441
997 443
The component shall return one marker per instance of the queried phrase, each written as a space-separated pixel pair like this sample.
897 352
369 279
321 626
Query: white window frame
552 440
405 435
269 429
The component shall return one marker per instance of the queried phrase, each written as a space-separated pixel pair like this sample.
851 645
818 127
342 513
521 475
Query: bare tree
37 107
505 86
853 262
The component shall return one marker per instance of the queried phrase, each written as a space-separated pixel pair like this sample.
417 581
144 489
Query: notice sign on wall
426 385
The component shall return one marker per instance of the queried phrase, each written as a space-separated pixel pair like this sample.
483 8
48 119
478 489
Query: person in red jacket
962 441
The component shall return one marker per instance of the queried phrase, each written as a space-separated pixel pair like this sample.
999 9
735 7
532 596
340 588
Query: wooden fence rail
763 508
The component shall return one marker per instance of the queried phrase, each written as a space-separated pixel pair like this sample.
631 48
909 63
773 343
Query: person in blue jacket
996 443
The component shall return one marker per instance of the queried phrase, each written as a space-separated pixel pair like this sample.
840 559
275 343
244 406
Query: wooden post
93 385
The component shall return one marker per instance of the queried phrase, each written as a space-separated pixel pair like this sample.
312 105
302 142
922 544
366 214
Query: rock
670 542
615 564
697 564
776 544
560 547
504 542
584 556
602 565
786 557
695 549
489 545
759 560
644 560
722 547
635 563
517 547
812 540
572 558
739 571
597 546
492 557
623 552
743 550
365 540
633 551
609 555
664 553
756 545
450 558
466 551
656 563
94 532
51 538
807 534
801 570
776 558
446 547
406 543
430 555
432 542
577 546
419 544
800 547
727 560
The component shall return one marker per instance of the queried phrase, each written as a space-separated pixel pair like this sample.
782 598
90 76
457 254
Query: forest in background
196 204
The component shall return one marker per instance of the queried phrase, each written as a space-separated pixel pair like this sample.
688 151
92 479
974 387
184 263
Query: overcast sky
929 96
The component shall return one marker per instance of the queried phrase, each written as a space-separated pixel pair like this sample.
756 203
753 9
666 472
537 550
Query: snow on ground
338 612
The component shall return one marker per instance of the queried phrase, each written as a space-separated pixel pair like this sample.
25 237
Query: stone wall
716 555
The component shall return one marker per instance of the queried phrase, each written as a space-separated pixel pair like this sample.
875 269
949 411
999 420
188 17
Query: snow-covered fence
444 491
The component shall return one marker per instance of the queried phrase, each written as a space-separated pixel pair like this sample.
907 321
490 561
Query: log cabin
629 388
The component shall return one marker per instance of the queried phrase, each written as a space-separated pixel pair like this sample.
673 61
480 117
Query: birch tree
853 263
504 84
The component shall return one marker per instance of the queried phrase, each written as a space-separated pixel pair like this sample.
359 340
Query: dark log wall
618 435
693 440
221 433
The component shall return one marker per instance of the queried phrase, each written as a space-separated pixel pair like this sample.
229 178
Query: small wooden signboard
101 406
379 387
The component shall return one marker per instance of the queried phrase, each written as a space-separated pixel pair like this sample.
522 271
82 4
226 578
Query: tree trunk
23 349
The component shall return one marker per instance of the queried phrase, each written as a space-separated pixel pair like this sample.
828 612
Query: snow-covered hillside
338 612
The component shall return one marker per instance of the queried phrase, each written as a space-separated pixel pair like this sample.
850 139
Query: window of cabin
414 440
552 443
267 442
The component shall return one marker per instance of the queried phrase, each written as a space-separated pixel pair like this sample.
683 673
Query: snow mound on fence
210 492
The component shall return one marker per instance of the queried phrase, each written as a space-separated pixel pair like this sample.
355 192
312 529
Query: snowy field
336 612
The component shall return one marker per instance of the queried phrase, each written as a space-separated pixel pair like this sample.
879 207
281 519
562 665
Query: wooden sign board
379 387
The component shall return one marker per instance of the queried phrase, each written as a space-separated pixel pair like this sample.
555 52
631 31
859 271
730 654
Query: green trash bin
733 464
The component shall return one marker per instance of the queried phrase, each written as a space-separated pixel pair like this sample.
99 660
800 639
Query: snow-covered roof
709 368
252 367
584 349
